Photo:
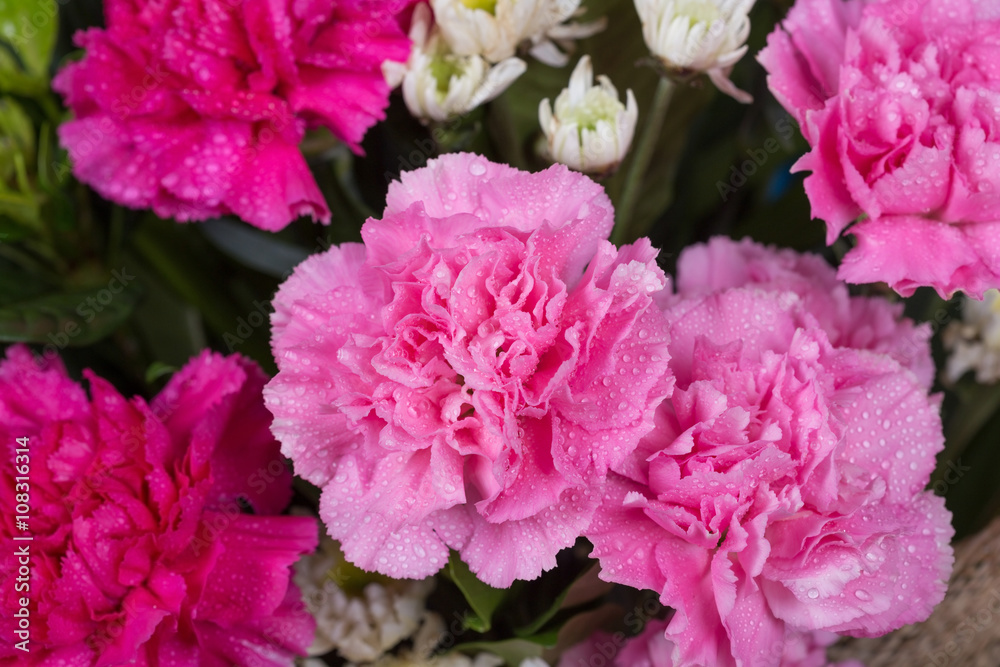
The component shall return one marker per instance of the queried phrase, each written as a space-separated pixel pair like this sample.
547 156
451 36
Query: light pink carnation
459 380
782 489
195 108
141 554
651 648
899 100
864 323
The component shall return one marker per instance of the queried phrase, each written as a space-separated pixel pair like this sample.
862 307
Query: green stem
51 108
640 160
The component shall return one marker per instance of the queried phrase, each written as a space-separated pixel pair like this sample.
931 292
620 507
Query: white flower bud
440 84
973 343
360 628
591 130
493 29
690 36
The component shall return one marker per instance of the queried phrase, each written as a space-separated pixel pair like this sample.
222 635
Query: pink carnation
651 648
141 554
195 108
782 489
460 380
899 100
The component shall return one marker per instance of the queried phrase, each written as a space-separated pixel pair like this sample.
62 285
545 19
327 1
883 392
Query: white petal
498 79
721 80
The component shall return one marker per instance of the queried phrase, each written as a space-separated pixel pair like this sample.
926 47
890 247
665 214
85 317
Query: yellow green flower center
489 6
698 11
443 68
596 106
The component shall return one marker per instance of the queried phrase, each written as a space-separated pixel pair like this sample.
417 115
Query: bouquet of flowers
380 332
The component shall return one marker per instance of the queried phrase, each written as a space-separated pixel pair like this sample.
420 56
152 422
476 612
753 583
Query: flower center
698 11
596 106
443 68
489 6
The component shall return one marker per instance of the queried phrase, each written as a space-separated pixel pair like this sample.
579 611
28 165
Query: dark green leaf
67 319
166 249
259 250
15 283
170 330
10 229
483 599
157 370
19 208
548 638
532 629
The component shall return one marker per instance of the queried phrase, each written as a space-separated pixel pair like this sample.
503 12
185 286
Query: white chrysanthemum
494 29
439 84
433 633
591 130
690 36
446 660
360 628
974 342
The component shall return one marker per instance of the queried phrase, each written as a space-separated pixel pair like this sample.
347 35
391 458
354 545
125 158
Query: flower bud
591 130
440 84
494 29
973 343
693 36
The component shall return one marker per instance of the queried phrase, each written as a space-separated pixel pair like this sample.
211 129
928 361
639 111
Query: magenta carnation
141 554
195 108
899 100
782 489
460 380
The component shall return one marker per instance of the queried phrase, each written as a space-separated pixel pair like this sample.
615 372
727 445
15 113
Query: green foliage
20 205
483 599
67 319
28 30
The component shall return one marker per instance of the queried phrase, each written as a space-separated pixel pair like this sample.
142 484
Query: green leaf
164 247
18 215
532 629
17 137
482 598
67 319
28 30
513 651
16 284
195 272
548 638
157 370
261 251
170 330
